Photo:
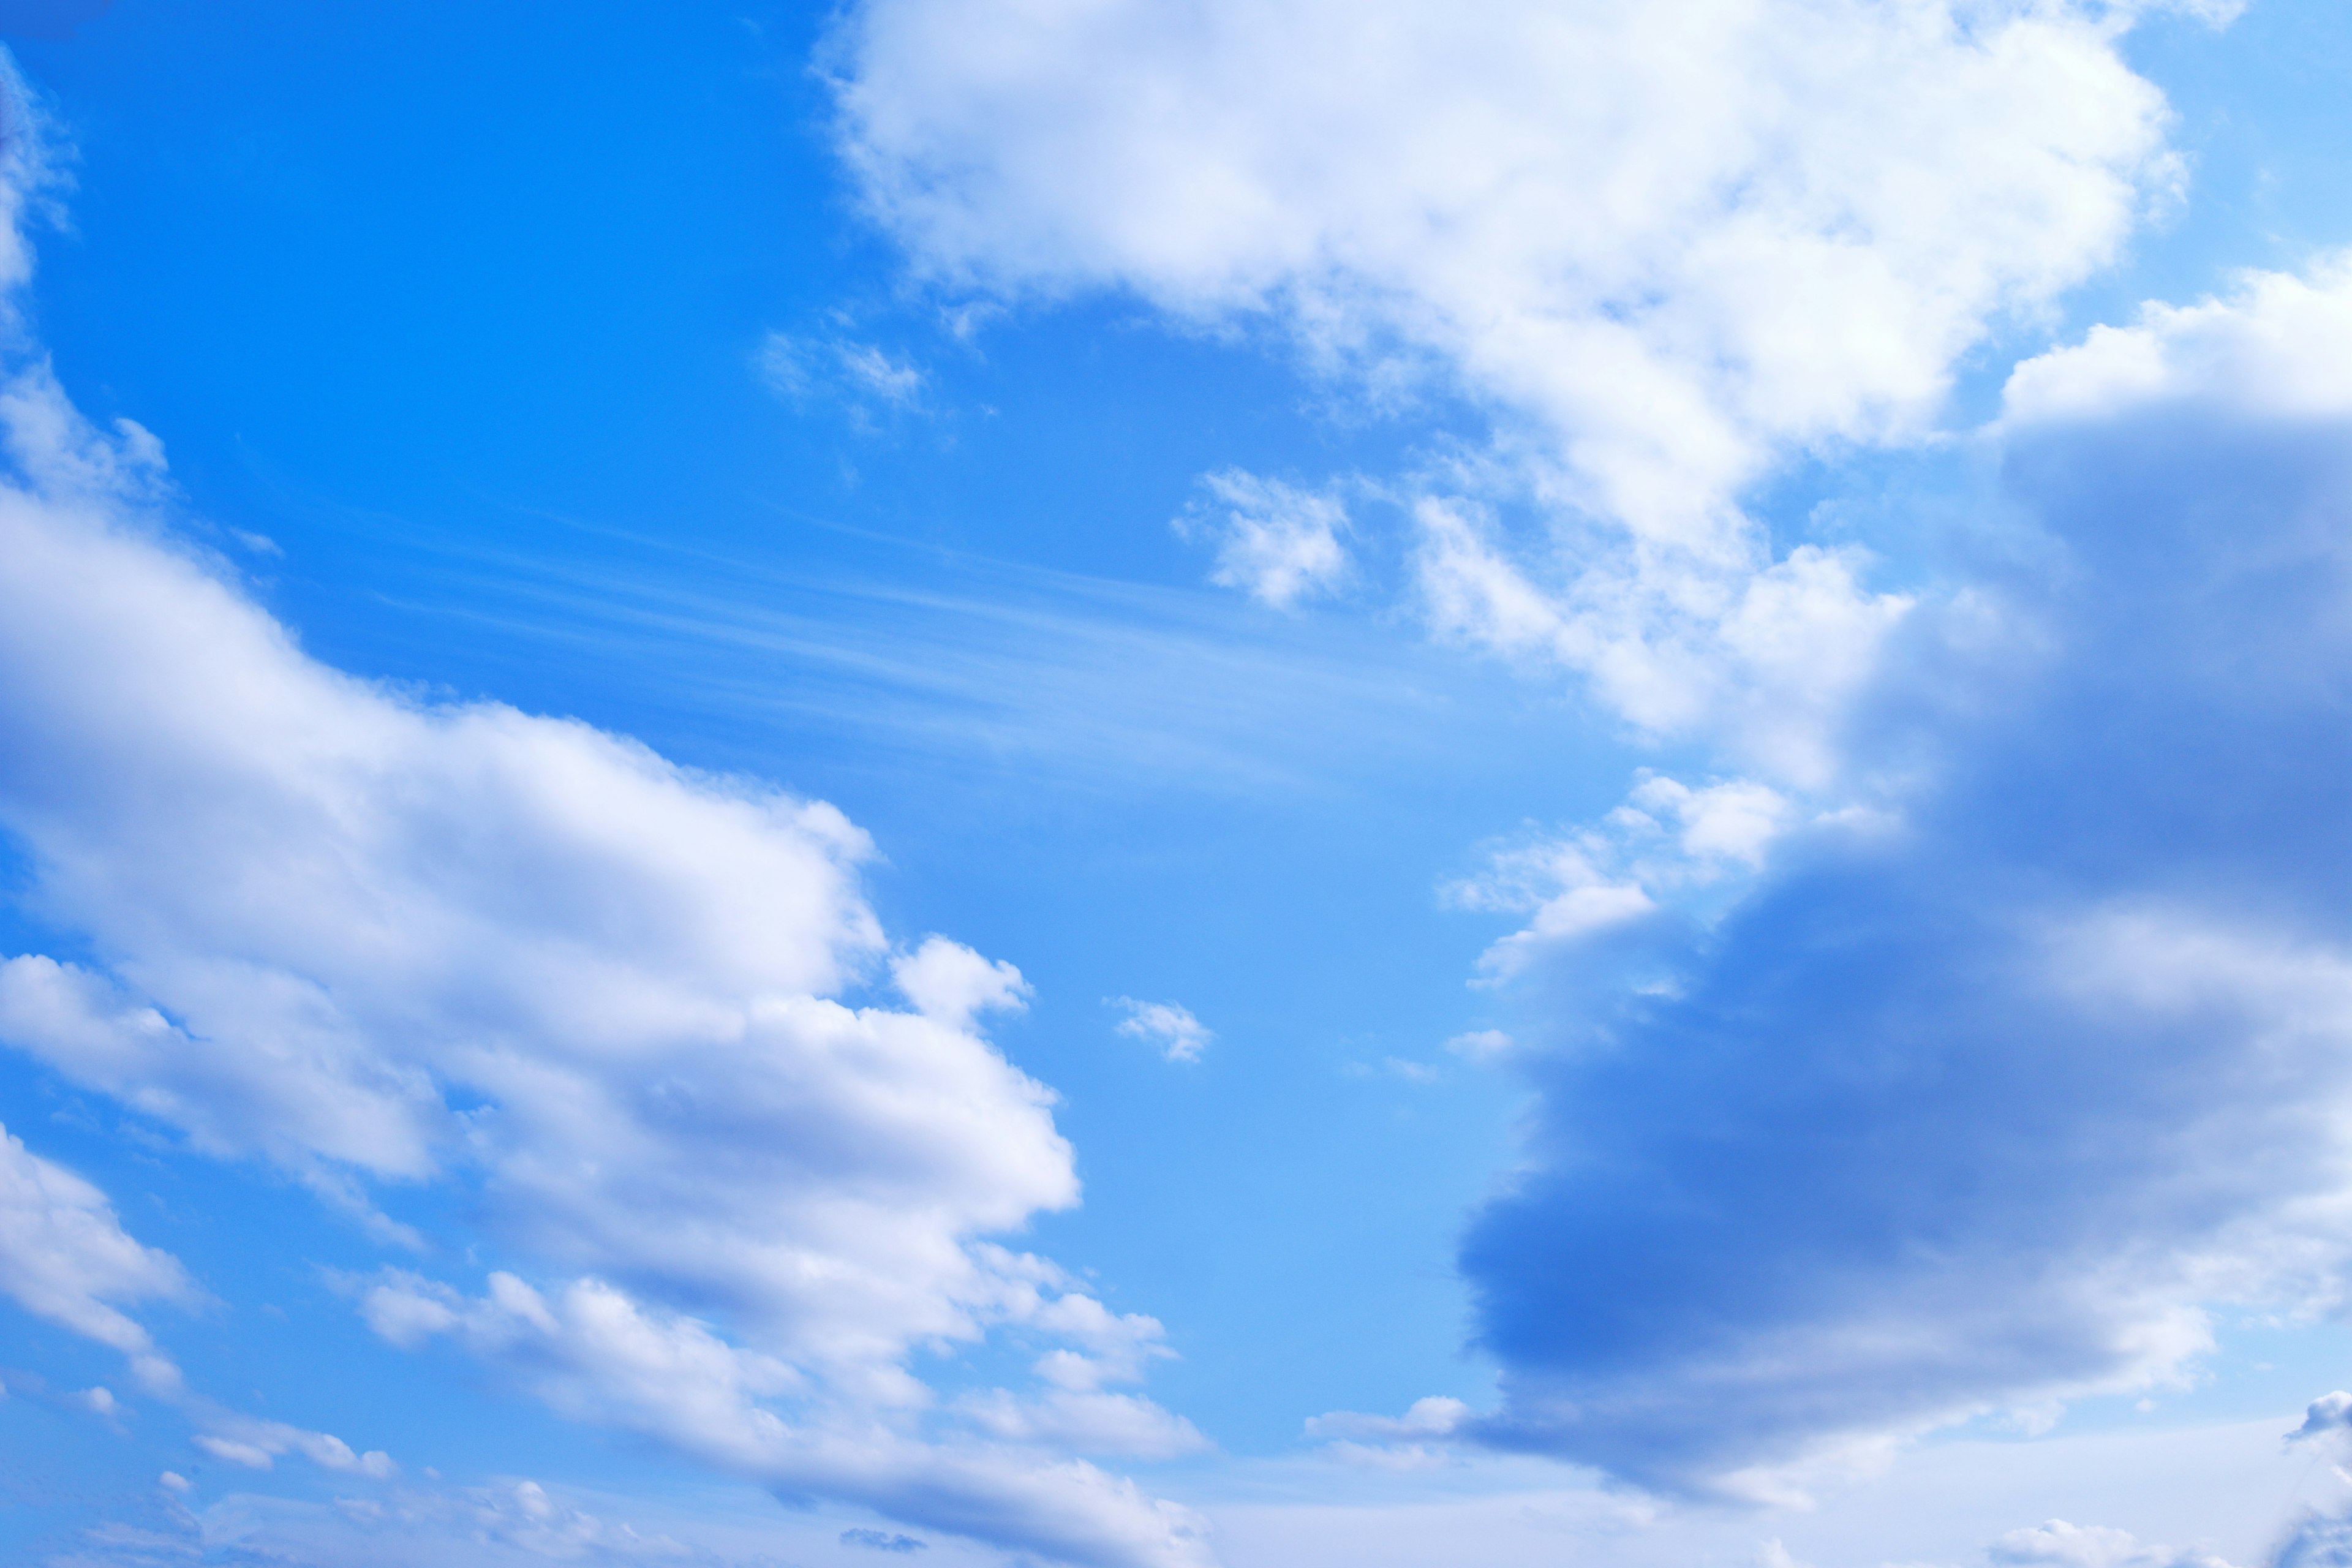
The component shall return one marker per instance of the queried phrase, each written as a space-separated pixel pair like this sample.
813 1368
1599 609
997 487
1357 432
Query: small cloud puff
1276 543
1179 1036
881 1541
948 981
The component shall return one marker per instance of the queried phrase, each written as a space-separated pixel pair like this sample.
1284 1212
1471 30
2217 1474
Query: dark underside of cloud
1978 1110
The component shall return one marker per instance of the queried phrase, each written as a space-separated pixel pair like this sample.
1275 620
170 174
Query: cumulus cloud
1663 245
2273 349
1979 1098
379 941
65 1257
1276 542
2326 1416
1169 1026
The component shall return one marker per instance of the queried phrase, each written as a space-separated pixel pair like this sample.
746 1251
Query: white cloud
2275 349
1167 1025
1663 245
258 1445
1117 1424
948 981
64 1257
593 1353
379 941
1276 542
1435 1417
1668 841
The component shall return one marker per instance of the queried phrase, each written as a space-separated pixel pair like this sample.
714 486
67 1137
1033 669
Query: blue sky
1152 786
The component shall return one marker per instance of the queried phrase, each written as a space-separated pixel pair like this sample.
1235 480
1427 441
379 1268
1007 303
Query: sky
1199 785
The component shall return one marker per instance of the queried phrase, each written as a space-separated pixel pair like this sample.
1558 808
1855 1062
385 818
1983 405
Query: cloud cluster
594 1354
1981 1102
1662 246
380 940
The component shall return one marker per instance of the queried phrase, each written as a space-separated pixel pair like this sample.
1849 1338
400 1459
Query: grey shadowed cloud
1984 1105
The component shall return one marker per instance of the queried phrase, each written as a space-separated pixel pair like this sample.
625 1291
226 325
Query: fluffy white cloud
381 940
2276 349
1276 542
64 1257
593 1353
1168 1025
1663 244
1984 1098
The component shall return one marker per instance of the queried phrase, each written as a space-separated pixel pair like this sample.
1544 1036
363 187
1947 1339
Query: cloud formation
378 941
64 1257
1980 1097
1662 246
1276 542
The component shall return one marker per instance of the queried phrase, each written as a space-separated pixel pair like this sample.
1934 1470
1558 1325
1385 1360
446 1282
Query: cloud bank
1982 1099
